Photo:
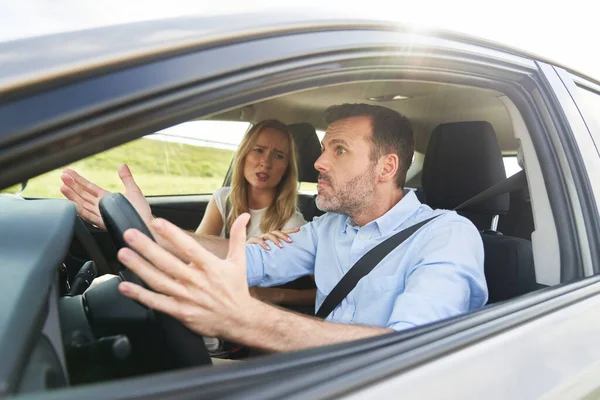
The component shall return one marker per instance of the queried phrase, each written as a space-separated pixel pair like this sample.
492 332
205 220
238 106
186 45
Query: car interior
463 134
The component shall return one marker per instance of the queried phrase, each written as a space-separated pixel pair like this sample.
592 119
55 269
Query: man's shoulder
446 215
448 219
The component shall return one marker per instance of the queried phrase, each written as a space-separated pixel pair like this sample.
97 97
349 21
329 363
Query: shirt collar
395 217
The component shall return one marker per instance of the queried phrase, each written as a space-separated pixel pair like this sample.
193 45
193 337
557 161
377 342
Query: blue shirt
435 274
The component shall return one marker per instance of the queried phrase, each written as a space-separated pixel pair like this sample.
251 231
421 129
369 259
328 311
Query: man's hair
392 132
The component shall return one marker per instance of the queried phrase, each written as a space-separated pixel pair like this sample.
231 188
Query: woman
264 183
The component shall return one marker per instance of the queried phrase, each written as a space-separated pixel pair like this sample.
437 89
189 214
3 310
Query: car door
522 348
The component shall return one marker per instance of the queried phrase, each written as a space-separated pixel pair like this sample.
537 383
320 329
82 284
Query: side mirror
14 190
23 186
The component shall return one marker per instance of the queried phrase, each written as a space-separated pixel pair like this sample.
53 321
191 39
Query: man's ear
390 163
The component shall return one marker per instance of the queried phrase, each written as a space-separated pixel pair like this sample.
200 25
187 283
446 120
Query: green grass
159 168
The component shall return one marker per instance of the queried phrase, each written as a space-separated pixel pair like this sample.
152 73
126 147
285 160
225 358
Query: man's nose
321 164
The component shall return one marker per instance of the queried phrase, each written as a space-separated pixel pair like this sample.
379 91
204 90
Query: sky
566 32
203 133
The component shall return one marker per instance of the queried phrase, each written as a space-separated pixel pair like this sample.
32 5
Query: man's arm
446 277
282 296
210 295
215 244
273 329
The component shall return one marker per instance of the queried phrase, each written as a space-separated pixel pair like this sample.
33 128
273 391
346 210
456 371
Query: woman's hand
275 237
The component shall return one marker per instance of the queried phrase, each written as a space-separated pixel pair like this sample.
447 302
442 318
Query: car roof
34 60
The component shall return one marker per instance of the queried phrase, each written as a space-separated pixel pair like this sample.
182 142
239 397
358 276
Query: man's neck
380 204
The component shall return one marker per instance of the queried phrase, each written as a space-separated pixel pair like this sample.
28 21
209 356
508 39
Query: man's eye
340 151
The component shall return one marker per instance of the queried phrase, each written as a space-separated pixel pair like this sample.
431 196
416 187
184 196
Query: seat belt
374 256
517 181
363 266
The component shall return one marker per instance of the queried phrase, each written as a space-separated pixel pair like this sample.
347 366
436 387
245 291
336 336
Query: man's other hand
87 195
208 294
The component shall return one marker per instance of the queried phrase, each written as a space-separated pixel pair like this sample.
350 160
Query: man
434 274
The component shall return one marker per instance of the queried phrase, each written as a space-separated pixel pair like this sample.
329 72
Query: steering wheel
185 346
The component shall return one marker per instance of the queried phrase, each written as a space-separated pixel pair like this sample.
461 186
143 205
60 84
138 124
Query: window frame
592 121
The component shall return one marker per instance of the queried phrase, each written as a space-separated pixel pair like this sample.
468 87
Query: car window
511 165
589 104
189 158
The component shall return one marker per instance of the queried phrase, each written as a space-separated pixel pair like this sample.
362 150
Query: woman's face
266 162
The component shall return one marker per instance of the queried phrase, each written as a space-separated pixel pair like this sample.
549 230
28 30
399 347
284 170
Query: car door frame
582 163
353 365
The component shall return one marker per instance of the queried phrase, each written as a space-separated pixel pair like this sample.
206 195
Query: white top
220 197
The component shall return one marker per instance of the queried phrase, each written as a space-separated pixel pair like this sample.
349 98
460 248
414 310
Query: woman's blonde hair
284 204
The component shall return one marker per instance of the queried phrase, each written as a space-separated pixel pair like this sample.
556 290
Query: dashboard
35 237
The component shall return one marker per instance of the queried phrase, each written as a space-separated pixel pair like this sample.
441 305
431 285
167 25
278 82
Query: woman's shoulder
222 192
220 196
296 221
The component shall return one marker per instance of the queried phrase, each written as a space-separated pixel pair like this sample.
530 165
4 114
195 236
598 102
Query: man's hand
209 295
87 195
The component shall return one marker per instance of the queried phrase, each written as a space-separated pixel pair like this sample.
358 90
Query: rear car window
189 158
511 165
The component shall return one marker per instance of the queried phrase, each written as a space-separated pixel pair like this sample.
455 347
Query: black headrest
309 149
462 160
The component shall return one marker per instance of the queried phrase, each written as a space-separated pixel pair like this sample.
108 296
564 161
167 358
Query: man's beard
351 198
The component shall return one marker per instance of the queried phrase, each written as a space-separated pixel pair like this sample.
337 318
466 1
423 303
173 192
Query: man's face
346 172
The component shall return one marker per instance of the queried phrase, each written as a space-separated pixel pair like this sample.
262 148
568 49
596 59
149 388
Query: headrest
462 160
308 147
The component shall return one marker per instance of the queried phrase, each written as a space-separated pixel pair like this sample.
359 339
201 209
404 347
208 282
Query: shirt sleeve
280 265
446 277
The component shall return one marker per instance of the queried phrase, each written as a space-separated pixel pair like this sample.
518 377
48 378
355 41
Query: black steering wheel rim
187 347
85 238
